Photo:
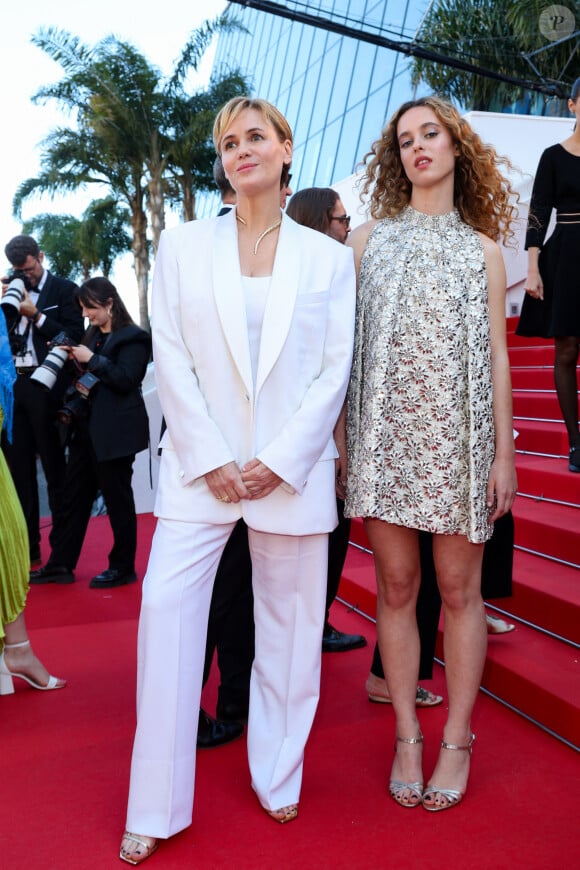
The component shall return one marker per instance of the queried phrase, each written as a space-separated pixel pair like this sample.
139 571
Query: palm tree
72 160
57 236
126 134
103 235
190 151
498 35
78 248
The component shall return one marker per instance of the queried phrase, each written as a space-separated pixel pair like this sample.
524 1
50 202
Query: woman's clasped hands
230 484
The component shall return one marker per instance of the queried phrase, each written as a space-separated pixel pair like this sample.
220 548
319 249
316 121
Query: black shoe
51 574
232 712
574 460
211 732
112 577
338 641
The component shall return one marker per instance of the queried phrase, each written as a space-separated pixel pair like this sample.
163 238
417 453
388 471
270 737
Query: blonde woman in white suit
253 319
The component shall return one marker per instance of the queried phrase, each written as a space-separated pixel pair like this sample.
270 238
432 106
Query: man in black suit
47 309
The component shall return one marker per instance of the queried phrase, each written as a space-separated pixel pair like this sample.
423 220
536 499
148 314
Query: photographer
109 425
46 307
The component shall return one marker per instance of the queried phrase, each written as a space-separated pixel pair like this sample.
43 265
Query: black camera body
18 344
77 398
21 276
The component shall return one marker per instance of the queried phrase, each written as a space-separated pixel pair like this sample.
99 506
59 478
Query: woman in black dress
552 305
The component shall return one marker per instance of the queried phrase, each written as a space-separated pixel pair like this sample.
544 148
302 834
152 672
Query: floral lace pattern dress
420 425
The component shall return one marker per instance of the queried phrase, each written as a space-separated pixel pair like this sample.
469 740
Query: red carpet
65 762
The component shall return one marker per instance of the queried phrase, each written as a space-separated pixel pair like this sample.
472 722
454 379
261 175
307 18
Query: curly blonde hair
483 197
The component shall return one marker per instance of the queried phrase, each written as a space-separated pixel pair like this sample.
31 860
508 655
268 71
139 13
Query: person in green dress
17 658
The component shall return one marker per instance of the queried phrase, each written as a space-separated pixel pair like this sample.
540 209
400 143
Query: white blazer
204 378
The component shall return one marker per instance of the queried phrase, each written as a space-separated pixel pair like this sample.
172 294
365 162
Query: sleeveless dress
14 554
556 186
420 425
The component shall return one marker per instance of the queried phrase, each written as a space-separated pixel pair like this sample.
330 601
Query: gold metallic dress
14 555
420 424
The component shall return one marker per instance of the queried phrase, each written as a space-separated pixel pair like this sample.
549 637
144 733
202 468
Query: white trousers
289 582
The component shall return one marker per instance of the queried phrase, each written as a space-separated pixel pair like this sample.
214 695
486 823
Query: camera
18 282
11 298
47 373
77 398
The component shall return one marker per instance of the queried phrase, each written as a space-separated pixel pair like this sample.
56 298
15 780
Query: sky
158 30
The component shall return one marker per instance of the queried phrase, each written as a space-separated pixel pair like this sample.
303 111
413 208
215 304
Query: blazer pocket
312 298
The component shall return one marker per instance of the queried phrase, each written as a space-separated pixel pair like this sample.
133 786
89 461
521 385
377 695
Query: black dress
556 186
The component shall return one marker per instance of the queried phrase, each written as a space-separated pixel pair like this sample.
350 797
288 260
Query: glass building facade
336 91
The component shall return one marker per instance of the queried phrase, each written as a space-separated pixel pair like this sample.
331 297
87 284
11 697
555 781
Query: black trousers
35 433
230 628
84 478
337 550
496 582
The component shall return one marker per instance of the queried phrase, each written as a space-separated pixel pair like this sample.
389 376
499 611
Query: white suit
214 415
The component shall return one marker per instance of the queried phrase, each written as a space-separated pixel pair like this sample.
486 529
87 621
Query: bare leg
396 554
566 382
22 659
458 566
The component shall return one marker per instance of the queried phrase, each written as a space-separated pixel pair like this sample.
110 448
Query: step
540 436
538 404
552 529
545 593
546 477
533 378
537 675
522 340
514 340
532 672
531 356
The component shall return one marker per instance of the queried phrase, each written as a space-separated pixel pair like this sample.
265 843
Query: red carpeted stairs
535 669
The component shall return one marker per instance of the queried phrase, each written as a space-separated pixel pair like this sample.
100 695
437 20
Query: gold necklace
269 229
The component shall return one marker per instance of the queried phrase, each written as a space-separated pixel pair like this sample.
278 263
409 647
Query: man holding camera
47 308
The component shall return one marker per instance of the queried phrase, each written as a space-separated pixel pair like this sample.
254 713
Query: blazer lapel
281 299
44 293
229 296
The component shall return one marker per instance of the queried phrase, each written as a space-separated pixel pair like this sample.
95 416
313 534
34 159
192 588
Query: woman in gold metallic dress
429 411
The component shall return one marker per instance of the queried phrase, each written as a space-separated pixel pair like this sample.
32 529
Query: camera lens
47 373
14 293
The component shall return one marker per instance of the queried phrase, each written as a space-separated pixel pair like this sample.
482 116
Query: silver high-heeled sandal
136 856
396 787
452 795
6 675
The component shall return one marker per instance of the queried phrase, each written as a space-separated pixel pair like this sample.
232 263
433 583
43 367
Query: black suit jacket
63 314
118 422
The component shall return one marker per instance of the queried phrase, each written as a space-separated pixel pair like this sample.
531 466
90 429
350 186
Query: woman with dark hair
108 426
429 422
551 307
322 209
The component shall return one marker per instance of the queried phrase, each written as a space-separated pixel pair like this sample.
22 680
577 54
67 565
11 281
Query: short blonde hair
273 116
